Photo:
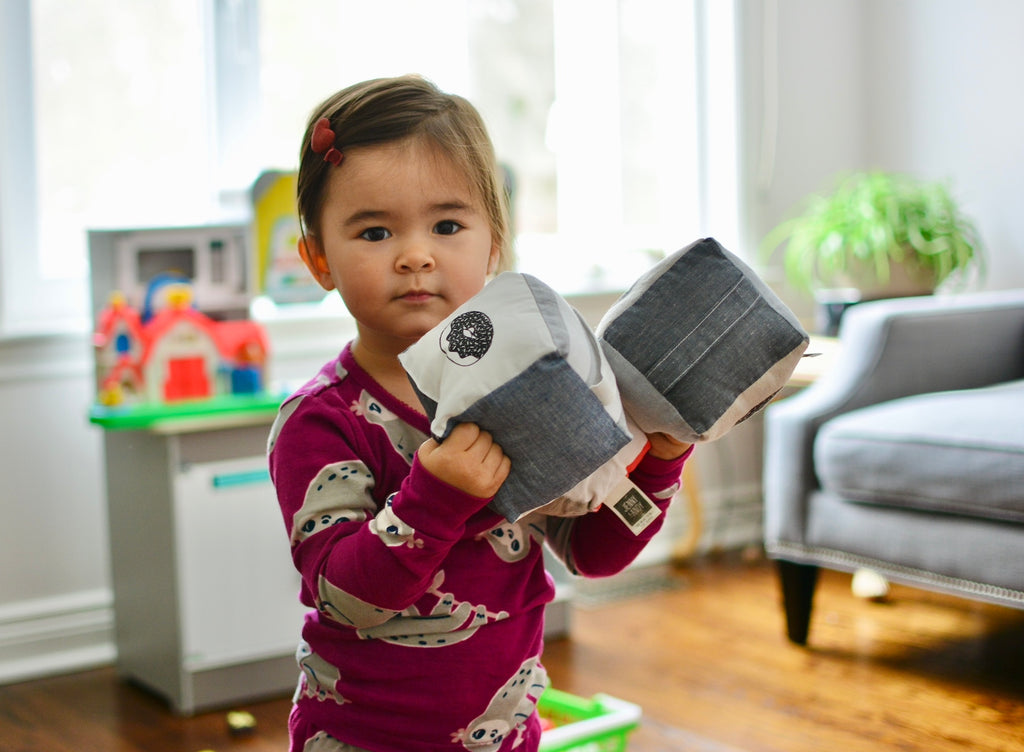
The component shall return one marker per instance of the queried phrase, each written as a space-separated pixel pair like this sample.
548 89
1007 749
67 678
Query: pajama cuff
656 473
434 507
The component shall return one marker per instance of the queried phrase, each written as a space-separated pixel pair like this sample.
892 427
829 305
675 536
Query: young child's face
403 238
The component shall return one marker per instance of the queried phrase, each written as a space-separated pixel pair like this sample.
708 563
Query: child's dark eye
375 234
447 227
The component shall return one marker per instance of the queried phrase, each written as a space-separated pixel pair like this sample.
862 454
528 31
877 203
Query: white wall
944 97
55 600
802 101
924 85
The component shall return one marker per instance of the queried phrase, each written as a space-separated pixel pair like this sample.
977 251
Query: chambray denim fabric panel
769 296
646 405
552 428
711 332
723 372
592 491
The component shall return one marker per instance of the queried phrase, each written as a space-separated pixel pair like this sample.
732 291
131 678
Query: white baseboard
56 635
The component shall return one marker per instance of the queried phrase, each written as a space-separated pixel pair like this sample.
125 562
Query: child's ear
313 256
494 259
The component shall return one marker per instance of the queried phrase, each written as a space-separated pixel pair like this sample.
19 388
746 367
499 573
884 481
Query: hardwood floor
703 654
920 672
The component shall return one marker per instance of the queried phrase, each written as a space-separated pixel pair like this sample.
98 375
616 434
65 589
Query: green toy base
167 416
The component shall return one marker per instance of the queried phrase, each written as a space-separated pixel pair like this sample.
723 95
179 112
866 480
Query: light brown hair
386 110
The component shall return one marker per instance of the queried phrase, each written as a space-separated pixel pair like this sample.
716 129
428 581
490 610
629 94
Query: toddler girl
428 608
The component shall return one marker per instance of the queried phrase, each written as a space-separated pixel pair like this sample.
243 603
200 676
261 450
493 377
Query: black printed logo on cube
467 338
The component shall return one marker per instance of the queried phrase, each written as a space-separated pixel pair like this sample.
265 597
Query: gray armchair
907 456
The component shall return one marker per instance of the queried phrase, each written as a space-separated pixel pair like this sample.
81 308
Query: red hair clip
322 142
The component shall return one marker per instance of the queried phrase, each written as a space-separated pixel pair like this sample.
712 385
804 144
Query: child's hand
468 460
664 447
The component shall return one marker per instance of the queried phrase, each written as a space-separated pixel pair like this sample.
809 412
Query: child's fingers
491 455
666 447
504 468
464 434
469 459
475 442
458 441
496 465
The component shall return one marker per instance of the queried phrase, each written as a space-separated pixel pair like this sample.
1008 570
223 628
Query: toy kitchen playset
205 596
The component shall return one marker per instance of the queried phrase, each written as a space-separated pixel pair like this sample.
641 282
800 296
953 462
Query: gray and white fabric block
699 343
520 362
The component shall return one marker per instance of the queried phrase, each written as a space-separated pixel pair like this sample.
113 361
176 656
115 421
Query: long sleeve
599 544
367 536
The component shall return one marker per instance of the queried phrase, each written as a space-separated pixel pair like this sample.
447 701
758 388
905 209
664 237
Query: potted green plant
877 235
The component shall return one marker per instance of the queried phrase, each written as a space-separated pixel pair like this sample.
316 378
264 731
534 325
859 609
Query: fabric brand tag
631 506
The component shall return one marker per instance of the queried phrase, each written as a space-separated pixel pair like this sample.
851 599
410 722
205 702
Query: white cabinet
239 590
206 599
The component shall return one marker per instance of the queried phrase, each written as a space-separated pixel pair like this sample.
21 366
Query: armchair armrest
887 349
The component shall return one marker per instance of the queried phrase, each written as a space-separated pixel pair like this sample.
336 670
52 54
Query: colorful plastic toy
179 354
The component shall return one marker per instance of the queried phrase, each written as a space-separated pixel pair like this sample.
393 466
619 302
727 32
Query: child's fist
665 447
468 460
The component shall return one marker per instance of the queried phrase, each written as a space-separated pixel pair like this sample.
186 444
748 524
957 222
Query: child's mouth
417 296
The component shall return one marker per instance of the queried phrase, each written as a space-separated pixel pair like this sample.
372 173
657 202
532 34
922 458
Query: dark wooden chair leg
798 583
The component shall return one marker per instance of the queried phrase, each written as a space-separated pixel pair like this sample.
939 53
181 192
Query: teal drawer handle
244 478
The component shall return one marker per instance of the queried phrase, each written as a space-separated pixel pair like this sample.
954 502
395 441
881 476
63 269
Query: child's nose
415 256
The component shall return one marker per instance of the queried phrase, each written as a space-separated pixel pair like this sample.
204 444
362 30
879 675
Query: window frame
22 285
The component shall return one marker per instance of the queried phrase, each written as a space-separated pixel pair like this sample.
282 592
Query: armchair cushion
959 452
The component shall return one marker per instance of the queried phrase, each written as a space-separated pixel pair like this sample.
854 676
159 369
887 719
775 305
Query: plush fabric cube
699 343
521 363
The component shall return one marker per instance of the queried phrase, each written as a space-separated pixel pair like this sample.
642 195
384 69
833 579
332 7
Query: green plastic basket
600 724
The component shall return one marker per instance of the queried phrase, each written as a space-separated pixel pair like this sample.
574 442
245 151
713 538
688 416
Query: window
155 114
108 129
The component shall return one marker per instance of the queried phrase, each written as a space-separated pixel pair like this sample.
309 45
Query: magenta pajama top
427 608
